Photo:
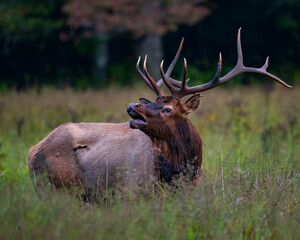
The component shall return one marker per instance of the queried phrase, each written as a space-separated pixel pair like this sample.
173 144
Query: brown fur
182 149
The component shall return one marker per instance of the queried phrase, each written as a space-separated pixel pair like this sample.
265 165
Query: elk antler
150 81
238 69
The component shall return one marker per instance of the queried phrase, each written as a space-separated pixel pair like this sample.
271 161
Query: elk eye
167 110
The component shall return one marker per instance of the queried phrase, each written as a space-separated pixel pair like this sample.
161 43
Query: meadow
249 189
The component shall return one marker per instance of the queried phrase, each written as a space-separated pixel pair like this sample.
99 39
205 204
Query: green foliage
2 159
3 86
28 20
249 188
54 42
87 46
121 73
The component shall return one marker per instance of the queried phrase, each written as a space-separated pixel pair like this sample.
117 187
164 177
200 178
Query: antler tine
239 49
219 69
265 66
158 91
184 81
147 79
238 69
142 75
171 67
176 92
166 80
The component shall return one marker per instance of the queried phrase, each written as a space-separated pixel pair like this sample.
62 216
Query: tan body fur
90 155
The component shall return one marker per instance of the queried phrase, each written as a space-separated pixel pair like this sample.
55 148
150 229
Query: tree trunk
101 62
151 46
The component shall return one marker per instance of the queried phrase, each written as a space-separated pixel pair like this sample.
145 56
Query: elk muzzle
139 121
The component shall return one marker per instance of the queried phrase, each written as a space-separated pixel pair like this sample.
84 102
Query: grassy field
250 187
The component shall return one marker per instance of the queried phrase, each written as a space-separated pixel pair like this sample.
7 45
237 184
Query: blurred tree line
96 43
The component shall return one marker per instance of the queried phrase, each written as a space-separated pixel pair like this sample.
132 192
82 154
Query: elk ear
192 103
144 101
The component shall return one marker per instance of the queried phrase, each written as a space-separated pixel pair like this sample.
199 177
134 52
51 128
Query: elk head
165 120
157 119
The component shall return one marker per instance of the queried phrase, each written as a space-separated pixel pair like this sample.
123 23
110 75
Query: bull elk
159 142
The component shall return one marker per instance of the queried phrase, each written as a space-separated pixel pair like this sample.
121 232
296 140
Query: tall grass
249 189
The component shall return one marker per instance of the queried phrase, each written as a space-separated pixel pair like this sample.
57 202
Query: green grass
249 189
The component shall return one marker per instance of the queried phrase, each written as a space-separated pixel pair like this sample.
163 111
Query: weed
249 189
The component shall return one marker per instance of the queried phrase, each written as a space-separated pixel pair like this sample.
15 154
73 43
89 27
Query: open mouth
139 120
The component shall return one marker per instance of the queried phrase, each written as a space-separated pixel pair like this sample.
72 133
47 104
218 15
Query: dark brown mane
182 150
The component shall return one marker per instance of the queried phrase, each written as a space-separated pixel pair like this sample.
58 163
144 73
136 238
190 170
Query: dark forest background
96 43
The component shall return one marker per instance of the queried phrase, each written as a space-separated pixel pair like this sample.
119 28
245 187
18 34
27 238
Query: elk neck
180 148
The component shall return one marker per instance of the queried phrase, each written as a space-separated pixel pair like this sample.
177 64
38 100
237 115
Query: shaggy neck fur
182 149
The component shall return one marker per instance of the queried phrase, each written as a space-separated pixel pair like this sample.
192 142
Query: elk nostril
131 104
